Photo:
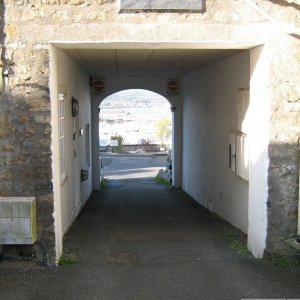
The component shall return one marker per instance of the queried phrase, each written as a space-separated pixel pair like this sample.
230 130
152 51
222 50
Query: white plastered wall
259 140
69 79
210 113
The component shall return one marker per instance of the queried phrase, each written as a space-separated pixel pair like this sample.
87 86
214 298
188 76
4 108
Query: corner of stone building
45 221
2 38
282 205
284 152
25 131
1 73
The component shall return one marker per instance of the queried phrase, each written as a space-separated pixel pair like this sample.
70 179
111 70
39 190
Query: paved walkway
150 243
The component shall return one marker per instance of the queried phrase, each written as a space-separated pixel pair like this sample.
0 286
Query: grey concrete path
150 243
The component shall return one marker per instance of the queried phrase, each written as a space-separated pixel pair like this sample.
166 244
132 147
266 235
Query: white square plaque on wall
161 5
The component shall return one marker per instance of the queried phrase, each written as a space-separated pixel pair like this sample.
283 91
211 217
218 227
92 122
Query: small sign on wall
98 85
173 86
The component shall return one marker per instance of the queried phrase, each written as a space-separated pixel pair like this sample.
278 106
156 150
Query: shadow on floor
150 243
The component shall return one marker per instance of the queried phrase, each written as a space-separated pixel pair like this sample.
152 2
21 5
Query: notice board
161 5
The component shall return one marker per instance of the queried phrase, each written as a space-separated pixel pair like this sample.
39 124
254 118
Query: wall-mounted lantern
75 107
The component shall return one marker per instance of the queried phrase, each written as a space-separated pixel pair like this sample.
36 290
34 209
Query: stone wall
96 20
284 151
25 131
2 14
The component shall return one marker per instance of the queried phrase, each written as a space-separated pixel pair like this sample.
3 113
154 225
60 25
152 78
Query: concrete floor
149 242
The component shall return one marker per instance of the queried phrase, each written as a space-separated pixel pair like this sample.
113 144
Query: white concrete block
17 220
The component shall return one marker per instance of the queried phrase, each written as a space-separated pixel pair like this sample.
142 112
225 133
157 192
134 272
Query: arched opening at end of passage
138 91
135 135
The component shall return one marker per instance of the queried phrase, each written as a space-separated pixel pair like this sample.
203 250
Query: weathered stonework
284 151
2 13
29 29
25 136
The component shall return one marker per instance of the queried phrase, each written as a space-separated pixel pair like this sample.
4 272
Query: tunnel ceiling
146 61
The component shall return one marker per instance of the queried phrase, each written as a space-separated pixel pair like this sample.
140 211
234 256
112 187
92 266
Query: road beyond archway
132 171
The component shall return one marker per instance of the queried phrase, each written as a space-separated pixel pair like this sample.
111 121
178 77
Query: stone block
17 220
6 130
8 148
291 92
73 2
1 76
293 1
11 30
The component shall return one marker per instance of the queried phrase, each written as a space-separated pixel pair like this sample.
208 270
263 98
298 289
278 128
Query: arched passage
152 84
141 121
205 112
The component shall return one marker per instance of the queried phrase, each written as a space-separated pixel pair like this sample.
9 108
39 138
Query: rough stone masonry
25 130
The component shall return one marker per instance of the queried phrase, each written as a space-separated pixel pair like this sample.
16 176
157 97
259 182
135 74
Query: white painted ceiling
146 61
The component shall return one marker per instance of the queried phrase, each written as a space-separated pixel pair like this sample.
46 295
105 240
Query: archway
155 84
135 138
200 85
